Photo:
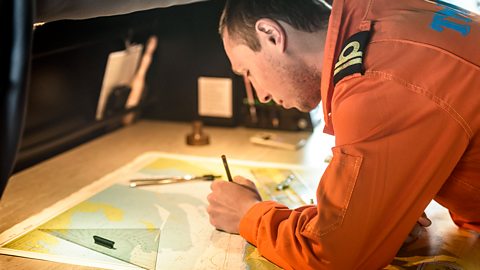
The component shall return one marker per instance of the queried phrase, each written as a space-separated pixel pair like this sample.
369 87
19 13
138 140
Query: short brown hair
240 16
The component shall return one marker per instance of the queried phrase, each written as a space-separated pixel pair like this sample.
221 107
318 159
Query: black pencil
225 164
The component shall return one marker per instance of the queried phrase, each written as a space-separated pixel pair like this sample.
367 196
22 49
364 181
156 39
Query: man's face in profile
278 76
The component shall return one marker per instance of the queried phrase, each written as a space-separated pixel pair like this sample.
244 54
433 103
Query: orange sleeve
464 223
396 144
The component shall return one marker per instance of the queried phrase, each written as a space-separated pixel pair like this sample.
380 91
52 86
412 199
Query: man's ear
271 33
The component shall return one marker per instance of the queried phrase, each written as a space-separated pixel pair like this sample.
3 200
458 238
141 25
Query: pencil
225 164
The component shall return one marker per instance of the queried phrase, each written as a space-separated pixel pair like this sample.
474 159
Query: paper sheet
120 69
215 97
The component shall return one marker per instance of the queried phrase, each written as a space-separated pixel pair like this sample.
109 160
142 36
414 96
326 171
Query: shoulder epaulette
350 60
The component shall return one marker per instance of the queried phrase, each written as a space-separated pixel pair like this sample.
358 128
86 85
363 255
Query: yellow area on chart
32 242
254 260
439 262
164 163
149 225
65 219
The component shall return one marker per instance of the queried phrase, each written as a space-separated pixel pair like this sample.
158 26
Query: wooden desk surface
37 188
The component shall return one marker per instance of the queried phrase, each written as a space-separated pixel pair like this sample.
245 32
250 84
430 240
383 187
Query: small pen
225 164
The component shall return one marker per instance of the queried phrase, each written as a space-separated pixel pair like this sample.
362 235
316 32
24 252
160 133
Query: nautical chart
153 227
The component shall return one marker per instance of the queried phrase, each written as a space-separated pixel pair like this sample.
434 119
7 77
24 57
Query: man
400 84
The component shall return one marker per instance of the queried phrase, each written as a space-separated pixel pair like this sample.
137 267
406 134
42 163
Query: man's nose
265 98
262 96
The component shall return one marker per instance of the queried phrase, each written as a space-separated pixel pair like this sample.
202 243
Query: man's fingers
243 181
237 179
248 184
424 220
414 234
418 229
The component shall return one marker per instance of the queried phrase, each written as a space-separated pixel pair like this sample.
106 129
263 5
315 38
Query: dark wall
189 47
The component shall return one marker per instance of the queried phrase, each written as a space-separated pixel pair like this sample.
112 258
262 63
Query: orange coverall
407 131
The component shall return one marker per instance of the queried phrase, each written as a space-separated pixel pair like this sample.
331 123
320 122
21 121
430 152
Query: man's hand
418 229
229 201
